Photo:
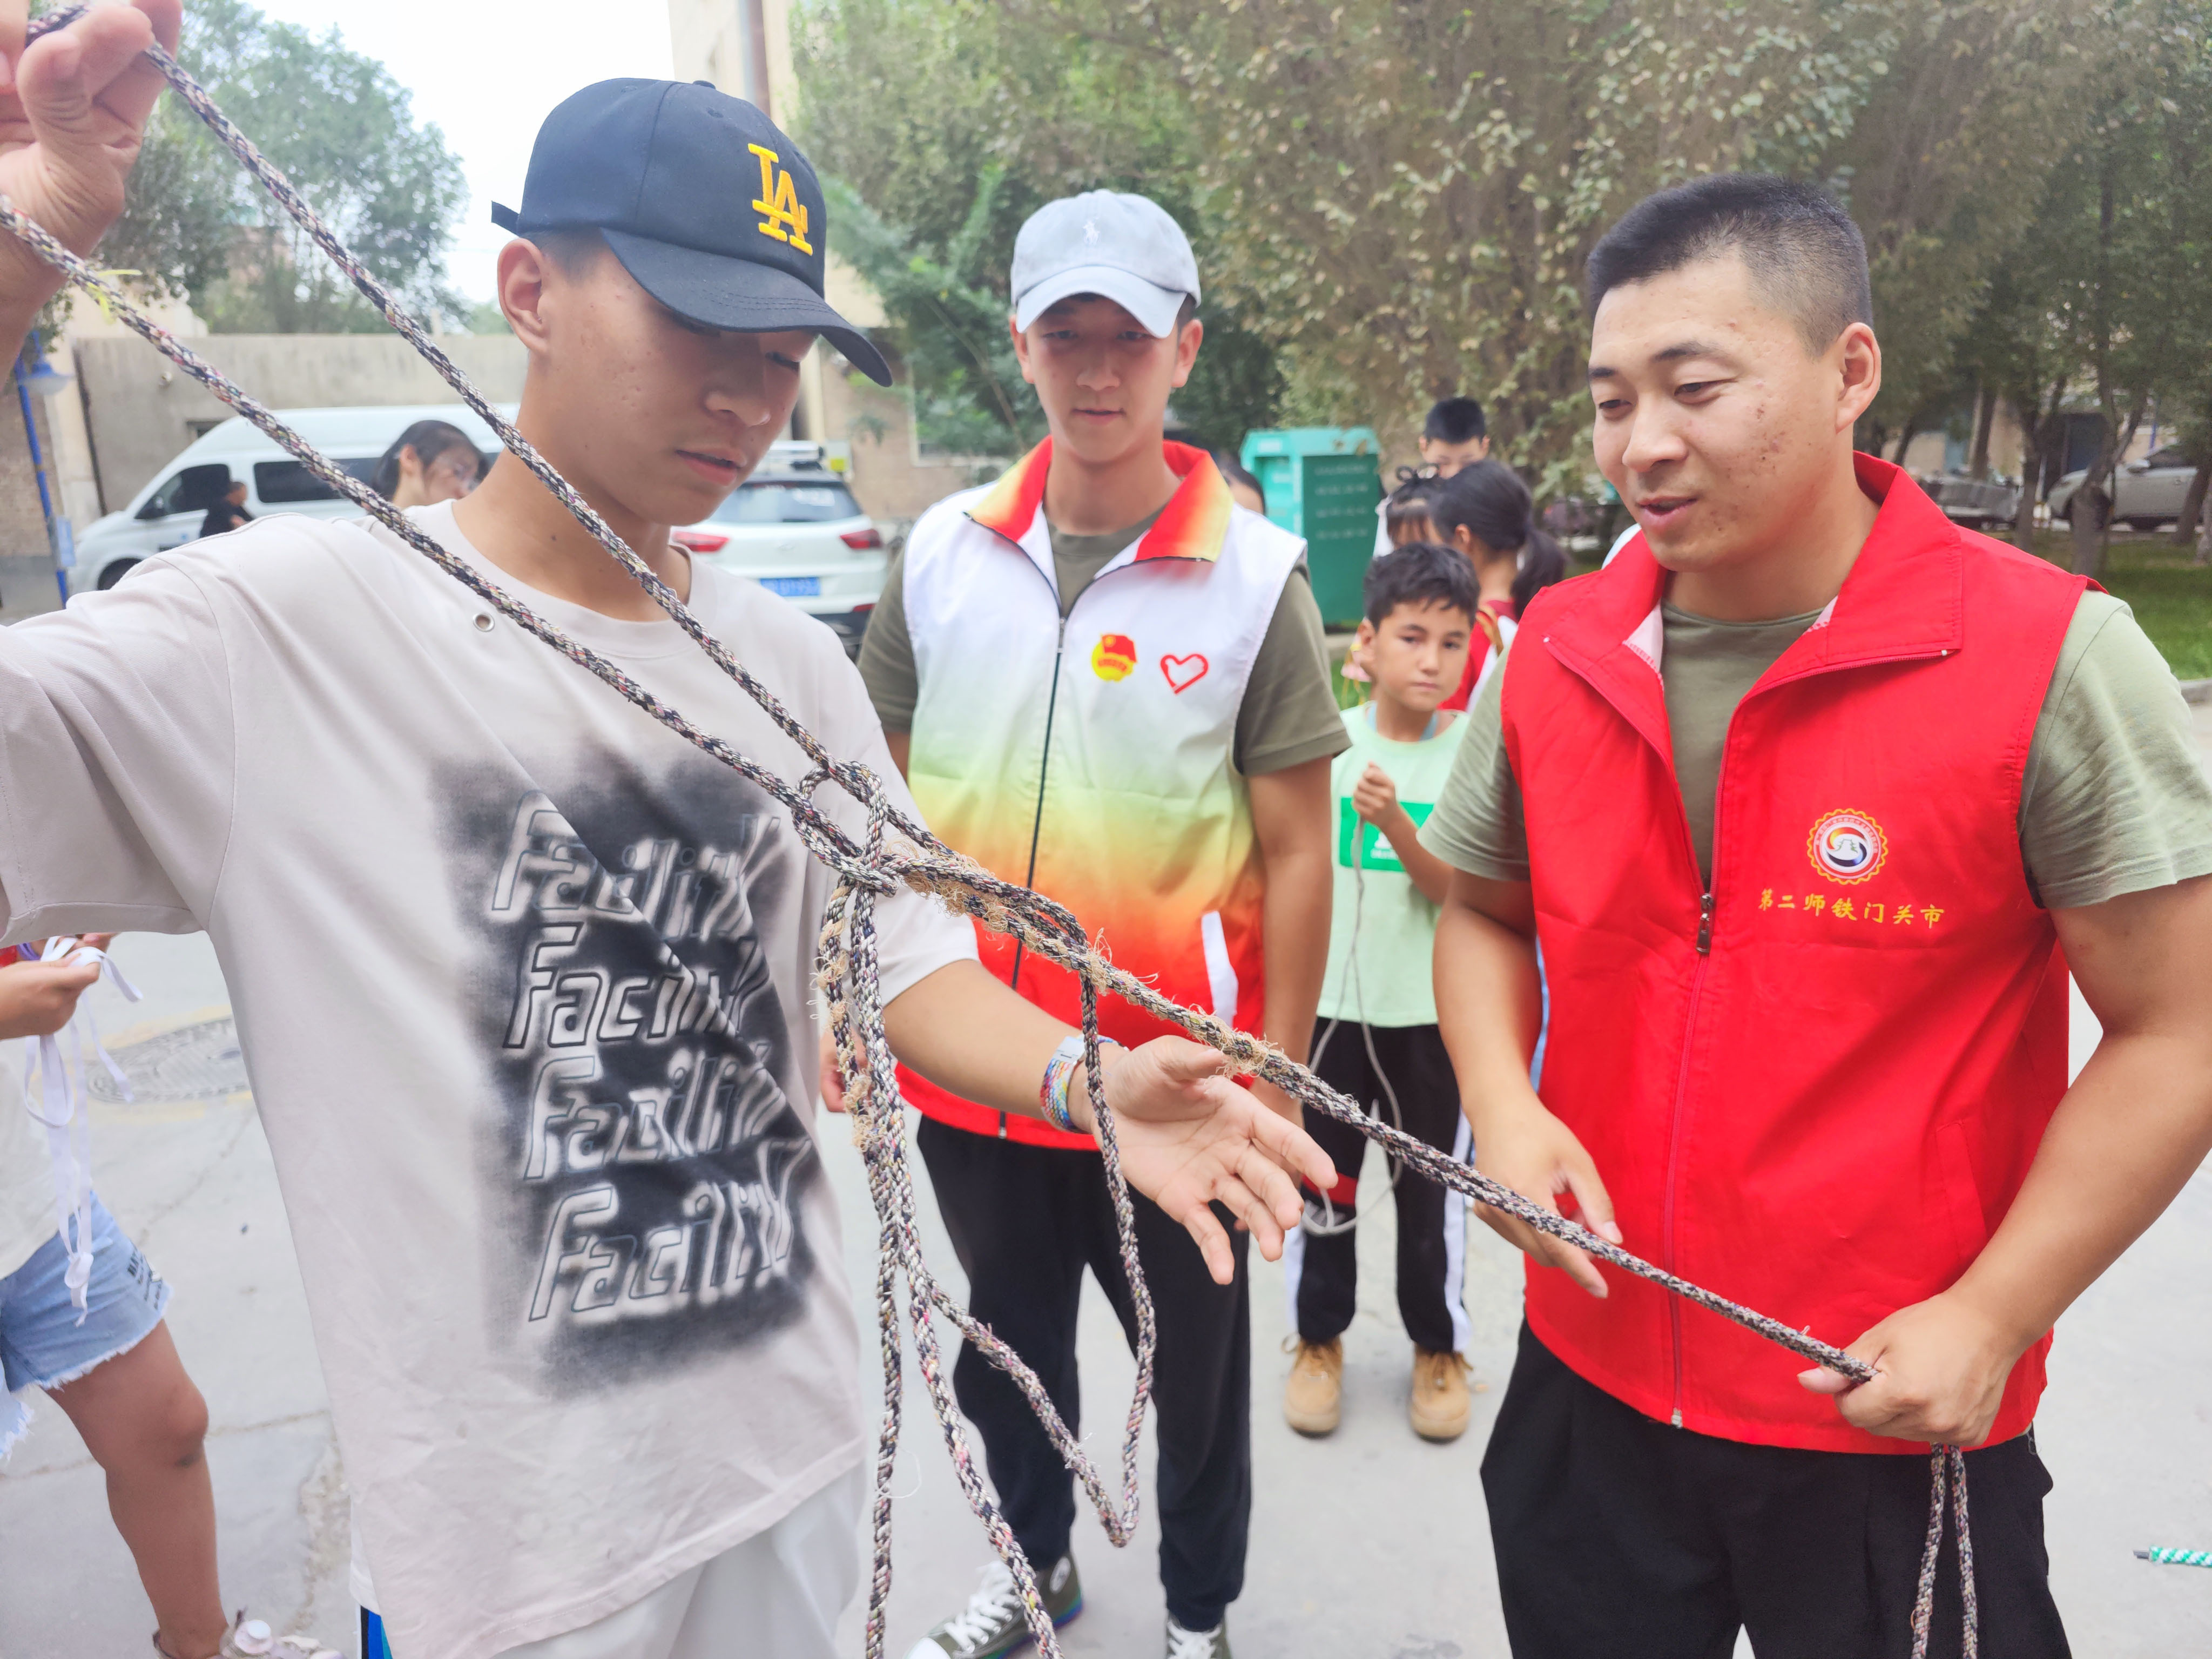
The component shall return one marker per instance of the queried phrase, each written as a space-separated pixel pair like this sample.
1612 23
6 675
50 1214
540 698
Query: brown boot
1440 1404
1313 1399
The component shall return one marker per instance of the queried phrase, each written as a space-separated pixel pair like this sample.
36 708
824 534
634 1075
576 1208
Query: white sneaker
249 1638
1197 1644
993 1623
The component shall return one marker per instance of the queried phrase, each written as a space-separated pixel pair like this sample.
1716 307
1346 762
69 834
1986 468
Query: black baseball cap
703 199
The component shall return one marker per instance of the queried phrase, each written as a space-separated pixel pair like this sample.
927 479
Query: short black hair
1412 500
572 248
429 440
1419 572
1804 254
1453 420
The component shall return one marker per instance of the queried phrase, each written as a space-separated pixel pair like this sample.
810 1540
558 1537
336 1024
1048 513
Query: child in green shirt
1376 1035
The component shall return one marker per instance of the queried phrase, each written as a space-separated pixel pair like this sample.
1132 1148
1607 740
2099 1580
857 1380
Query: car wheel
114 573
2145 525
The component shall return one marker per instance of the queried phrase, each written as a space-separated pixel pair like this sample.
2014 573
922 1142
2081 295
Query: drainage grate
193 1062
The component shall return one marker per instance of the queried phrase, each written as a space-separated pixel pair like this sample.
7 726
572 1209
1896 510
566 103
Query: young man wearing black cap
1106 680
522 979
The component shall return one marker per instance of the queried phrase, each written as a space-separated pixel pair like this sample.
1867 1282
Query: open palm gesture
1191 1139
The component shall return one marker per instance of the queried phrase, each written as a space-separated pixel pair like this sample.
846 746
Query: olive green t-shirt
1289 714
2115 801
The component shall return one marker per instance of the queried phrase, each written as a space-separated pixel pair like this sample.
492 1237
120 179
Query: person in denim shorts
110 1366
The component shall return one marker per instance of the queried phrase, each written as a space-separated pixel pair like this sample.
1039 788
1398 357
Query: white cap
1122 248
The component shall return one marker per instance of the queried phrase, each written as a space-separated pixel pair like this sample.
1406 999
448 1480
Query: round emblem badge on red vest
1846 847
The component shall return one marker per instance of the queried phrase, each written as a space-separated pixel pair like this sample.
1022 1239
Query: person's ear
1482 447
1468 542
1021 350
522 277
1186 342
1857 358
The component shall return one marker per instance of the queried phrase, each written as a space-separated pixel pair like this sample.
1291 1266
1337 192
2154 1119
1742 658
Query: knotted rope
895 851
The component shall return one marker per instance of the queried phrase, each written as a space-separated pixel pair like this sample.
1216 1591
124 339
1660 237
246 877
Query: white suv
794 528
2144 494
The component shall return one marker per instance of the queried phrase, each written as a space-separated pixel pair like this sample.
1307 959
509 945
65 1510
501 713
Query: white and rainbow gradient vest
1092 760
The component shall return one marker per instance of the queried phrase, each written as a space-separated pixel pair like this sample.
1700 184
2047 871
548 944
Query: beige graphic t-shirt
521 978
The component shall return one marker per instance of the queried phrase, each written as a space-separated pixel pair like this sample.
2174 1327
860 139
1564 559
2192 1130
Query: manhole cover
193 1062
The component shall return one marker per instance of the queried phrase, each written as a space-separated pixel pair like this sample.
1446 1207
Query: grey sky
486 72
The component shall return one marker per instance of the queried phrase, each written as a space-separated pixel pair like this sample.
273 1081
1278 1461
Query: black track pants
1025 1222
1321 1271
1617 1536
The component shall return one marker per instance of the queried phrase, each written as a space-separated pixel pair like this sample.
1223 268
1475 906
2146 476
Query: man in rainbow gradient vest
1104 679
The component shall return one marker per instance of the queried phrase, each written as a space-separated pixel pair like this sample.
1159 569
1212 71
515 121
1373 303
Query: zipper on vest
1036 824
1674 1144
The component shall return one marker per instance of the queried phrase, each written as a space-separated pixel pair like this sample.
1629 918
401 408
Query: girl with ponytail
1486 513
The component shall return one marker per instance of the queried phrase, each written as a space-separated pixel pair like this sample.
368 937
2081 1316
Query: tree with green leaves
2110 294
931 184
1398 200
341 128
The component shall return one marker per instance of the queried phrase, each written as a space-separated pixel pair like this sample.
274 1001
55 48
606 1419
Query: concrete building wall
140 409
27 561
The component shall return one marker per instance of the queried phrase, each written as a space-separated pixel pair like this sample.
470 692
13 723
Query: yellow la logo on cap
784 214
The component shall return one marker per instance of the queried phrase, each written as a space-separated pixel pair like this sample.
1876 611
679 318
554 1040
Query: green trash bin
1323 482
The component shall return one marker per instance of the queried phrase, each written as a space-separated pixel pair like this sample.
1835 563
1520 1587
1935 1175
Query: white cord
66 1094
1329 1225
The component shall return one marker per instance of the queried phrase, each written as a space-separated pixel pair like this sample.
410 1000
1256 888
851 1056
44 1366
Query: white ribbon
60 1102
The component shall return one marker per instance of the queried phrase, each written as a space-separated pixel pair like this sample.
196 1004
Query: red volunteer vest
1817 1089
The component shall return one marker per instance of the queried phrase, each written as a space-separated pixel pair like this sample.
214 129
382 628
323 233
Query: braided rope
897 851
2173 1558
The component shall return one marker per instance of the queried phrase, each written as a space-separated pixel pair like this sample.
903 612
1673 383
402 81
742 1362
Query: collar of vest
1904 599
1192 526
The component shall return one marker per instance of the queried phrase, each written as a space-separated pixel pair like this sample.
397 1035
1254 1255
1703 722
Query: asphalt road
1370 1543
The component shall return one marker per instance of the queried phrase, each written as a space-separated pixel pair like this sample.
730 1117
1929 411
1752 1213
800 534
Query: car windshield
787 502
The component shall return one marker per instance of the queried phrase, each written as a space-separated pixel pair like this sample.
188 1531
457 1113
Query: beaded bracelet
1060 1074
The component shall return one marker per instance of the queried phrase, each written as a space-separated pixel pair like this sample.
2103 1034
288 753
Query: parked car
794 528
2145 493
1984 504
167 513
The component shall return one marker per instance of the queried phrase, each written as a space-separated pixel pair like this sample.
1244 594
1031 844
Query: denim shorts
43 1346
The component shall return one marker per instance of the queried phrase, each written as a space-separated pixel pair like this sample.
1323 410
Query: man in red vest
1803 797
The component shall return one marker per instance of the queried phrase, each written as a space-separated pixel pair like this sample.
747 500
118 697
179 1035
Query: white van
169 511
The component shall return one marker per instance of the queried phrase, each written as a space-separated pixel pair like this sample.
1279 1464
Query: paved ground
1370 1543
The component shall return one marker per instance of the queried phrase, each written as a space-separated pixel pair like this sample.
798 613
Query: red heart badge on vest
1184 672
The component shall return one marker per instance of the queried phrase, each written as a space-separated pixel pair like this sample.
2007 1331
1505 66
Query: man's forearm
1294 922
2135 1126
970 1035
1291 818
1489 1002
16 324
2130 1133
